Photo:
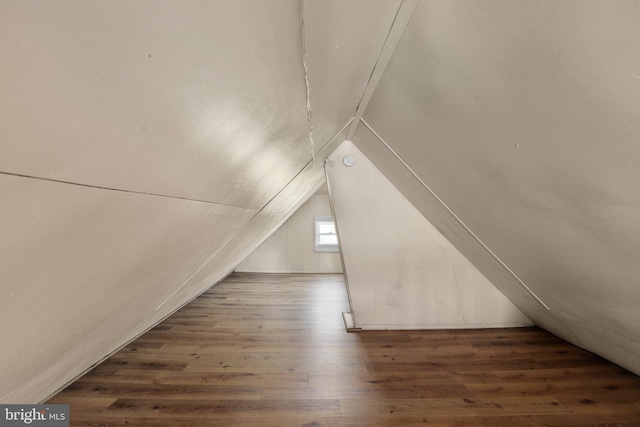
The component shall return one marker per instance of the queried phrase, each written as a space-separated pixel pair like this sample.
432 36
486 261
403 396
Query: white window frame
323 247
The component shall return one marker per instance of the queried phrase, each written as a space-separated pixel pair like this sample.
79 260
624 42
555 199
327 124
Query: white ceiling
145 147
523 118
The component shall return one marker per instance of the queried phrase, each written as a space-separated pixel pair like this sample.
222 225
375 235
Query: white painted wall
143 156
402 273
522 118
291 248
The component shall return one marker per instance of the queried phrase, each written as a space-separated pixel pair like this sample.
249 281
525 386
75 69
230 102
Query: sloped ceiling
523 118
146 147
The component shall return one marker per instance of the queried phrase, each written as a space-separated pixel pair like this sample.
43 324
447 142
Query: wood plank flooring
271 350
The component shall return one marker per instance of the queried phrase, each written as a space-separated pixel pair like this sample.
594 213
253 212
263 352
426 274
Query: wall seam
424 184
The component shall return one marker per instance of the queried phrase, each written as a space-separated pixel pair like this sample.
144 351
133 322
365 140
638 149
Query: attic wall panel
523 119
445 221
172 95
401 273
81 268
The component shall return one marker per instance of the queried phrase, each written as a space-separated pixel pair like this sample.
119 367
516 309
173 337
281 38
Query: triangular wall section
401 272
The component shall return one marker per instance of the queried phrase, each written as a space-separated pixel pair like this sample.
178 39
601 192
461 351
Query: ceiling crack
307 86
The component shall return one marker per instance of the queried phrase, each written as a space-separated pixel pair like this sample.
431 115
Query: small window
326 236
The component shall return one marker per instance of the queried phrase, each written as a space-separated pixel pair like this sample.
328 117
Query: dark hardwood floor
271 350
